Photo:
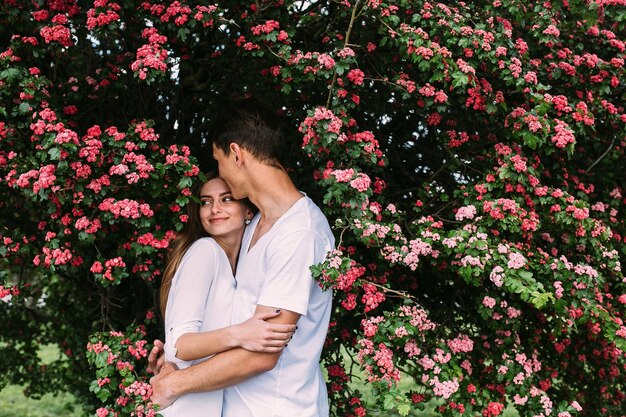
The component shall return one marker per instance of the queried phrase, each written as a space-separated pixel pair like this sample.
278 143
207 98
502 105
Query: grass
13 403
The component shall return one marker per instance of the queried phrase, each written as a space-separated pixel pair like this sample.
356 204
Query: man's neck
273 192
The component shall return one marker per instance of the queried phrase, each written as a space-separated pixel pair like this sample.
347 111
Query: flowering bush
465 154
115 355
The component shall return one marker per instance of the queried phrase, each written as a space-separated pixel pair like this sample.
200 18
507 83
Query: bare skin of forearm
223 370
191 346
266 331
228 368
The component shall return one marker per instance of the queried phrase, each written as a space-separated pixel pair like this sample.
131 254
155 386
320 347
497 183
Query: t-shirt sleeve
189 293
288 281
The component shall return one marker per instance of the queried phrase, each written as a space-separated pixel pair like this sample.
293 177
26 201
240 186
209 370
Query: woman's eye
206 202
228 199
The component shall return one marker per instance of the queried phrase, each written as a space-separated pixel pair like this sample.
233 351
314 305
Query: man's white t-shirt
275 273
200 300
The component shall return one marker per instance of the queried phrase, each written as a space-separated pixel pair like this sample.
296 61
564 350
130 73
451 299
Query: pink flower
361 183
401 332
343 175
519 164
563 136
516 260
267 27
411 348
465 212
552 30
465 67
102 412
97 267
461 343
356 76
489 302
326 61
496 276
520 400
444 389
493 409
57 33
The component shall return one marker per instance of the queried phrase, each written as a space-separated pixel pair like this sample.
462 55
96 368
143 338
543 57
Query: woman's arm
255 334
223 370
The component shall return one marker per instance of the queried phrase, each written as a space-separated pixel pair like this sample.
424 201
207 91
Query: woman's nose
216 207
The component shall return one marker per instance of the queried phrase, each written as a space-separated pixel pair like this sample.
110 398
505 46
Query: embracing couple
237 284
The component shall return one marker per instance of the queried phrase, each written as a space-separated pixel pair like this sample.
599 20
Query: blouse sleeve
188 296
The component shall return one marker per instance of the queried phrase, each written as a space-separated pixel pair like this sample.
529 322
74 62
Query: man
289 234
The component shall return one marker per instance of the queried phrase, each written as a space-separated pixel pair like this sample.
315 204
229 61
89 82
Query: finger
278 343
264 315
275 338
283 328
153 354
273 349
160 363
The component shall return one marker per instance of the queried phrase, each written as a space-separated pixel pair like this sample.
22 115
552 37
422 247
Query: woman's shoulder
204 245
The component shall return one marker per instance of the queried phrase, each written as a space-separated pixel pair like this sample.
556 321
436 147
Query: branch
601 157
389 290
345 44
341 235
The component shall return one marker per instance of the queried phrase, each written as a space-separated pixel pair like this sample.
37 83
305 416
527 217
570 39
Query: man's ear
237 153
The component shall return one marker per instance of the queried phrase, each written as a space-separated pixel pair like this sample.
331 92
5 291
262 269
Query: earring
247 221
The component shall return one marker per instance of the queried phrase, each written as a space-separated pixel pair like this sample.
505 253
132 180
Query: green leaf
24 107
9 74
404 409
185 182
525 274
459 79
55 154
389 401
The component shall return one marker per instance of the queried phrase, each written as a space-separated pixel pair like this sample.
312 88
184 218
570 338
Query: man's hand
162 394
156 359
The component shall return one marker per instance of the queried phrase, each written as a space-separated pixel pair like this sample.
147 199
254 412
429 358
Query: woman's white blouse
200 299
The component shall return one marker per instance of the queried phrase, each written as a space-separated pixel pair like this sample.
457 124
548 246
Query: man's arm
222 370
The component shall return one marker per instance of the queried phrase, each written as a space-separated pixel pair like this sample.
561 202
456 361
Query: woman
197 290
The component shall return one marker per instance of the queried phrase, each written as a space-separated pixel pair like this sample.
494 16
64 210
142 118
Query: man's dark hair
253 127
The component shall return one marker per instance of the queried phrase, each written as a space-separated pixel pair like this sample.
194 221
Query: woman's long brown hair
192 231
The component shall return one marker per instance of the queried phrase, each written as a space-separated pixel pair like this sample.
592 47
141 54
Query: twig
345 44
601 156
389 290
341 235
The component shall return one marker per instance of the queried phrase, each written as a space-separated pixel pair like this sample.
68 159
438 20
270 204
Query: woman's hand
258 335
156 357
